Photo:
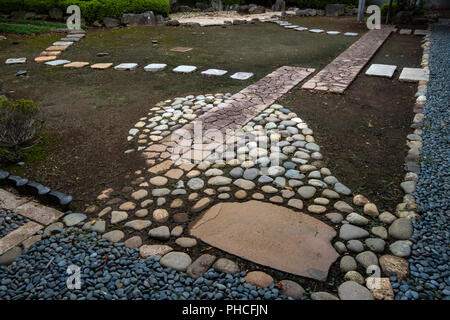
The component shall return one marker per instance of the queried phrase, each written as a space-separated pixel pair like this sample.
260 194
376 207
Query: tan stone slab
50 53
76 64
161 167
9 200
38 212
19 235
56 48
45 58
269 235
101 66
181 49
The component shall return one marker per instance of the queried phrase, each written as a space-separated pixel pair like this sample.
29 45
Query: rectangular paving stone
341 72
45 58
9 200
181 49
37 212
316 30
126 66
50 53
16 60
19 235
101 66
56 48
241 75
214 72
155 67
63 43
413 74
381 70
351 34
55 63
76 64
184 69
405 31
421 32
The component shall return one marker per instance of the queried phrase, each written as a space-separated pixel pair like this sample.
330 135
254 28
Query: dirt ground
88 113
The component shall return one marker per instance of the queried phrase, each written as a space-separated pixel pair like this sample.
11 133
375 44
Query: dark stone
21 73
159 19
102 54
111 22
279 5
335 10
217 5
56 13
3 177
256 10
184 9
202 6
35 188
154 41
243 9
30 15
18 15
59 198
142 19
16 181
173 23
180 217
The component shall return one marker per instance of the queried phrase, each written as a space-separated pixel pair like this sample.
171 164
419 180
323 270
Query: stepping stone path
55 63
181 49
338 75
184 69
414 74
154 67
16 61
76 64
101 66
241 75
381 70
316 30
126 66
214 72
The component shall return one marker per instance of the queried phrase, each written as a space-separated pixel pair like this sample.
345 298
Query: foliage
320 4
385 8
91 10
18 122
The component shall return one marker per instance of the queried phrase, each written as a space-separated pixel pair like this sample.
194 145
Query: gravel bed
9 221
111 271
429 261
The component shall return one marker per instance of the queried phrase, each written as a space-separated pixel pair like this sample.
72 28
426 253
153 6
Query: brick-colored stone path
235 112
339 74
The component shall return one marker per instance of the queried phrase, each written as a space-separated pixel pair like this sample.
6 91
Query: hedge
320 4
90 10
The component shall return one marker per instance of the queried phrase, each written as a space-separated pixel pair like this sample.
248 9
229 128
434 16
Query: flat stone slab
421 32
155 67
214 72
184 69
381 70
19 235
15 60
241 75
413 74
316 30
126 66
45 58
405 31
37 212
351 34
333 32
63 43
269 235
101 66
76 64
181 49
301 29
291 26
55 63
9 201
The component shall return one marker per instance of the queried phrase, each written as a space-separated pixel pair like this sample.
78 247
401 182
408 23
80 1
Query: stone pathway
340 73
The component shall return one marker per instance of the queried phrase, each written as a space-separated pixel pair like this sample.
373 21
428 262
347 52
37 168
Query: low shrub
18 122
385 8
91 10
320 4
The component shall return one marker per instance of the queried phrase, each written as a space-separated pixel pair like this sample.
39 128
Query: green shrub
385 8
18 122
91 10
320 4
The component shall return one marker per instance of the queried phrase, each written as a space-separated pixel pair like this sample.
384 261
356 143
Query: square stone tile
405 31
413 74
381 70
50 53
9 200
351 34
101 66
76 64
242 75
71 39
316 30
44 58
154 67
421 32
214 72
181 49
184 69
15 60
57 62
63 43
126 66
333 32
56 48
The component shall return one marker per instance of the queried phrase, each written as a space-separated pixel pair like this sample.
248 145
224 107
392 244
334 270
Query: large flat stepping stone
184 69
333 33
351 34
381 70
63 43
269 235
316 30
155 67
241 75
214 72
55 63
301 29
181 49
126 66
101 66
15 60
413 75
76 64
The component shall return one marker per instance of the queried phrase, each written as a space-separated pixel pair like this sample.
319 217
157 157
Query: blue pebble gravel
429 262
123 275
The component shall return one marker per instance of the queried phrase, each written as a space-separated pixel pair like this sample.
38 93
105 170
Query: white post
361 5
